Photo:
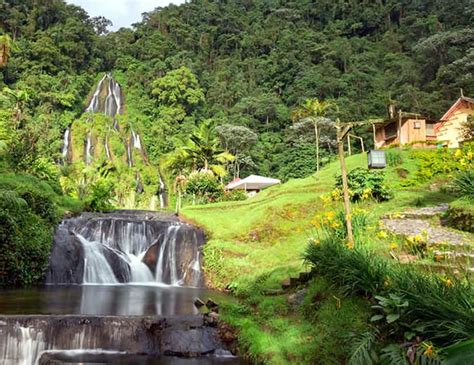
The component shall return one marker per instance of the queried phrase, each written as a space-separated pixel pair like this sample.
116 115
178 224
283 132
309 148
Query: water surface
117 300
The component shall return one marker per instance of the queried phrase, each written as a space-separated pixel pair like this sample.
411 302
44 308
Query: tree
5 48
202 151
238 140
312 110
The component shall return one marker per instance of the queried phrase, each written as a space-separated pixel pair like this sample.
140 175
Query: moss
460 215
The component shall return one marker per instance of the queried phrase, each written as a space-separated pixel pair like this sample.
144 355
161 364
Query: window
416 124
390 130
430 131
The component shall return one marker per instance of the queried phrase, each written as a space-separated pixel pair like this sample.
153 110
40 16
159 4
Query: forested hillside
245 64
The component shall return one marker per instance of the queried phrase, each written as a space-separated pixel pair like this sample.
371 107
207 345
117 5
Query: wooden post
399 129
345 186
316 133
349 149
375 138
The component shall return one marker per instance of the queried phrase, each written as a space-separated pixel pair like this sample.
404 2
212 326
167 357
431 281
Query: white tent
253 182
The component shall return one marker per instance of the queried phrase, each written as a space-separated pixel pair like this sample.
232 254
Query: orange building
413 129
450 130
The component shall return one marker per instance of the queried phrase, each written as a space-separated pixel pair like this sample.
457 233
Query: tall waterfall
89 148
66 144
126 247
93 106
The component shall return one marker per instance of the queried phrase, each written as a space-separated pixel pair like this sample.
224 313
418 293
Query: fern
363 351
394 355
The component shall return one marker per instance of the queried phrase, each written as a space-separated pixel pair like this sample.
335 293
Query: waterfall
129 154
23 346
136 141
112 249
106 145
167 258
89 149
93 106
96 267
66 144
162 193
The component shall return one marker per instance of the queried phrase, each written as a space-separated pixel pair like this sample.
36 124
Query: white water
96 267
162 192
94 103
136 141
23 348
106 145
66 143
167 256
89 149
129 242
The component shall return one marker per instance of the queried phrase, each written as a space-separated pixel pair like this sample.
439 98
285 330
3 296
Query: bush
203 187
234 195
364 184
25 241
442 307
100 196
463 184
460 215
394 157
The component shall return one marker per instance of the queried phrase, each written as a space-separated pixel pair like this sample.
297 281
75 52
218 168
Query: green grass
254 244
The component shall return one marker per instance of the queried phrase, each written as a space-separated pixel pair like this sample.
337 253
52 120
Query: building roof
253 182
463 100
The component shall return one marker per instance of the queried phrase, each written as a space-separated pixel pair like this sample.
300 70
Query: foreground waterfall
40 340
126 246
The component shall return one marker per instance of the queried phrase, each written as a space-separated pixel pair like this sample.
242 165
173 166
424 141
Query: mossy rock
460 215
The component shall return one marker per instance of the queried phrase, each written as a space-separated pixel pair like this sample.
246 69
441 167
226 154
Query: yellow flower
438 257
382 234
350 245
470 155
448 283
429 351
335 225
393 246
458 153
330 215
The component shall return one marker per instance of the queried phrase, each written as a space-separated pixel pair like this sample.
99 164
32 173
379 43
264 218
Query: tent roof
253 182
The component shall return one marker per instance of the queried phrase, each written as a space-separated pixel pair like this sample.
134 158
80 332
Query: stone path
434 234
413 222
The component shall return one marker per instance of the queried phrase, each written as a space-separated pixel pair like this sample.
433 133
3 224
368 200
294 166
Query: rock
296 299
198 303
210 304
286 284
151 257
211 319
294 282
304 277
406 258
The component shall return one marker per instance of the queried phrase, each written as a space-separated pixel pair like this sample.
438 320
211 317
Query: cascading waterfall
93 106
23 346
106 145
162 192
112 249
66 144
89 148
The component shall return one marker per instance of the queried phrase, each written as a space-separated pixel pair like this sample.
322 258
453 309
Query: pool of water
121 300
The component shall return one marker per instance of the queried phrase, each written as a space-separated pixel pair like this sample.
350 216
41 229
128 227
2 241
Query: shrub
442 307
46 170
364 184
25 241
100 195
203 187
463 184
234 195
394 157
460 215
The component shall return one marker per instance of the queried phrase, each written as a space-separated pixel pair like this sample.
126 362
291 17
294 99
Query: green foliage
460 215
233 195
203 187
99 196
463 184
394 157
440 308
363 350
365 183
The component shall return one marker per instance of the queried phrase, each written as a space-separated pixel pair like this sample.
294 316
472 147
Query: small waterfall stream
65 149
122 248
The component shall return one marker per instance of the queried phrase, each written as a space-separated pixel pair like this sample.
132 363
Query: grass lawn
254 244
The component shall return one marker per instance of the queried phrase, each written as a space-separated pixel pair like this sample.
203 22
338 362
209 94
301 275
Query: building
405 129
450 130
252 184
418 131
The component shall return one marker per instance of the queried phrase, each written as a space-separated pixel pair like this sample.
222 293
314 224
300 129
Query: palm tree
202 151
313 110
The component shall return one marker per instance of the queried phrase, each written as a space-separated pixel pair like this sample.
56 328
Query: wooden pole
349 149
399 129
316 133
345 186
